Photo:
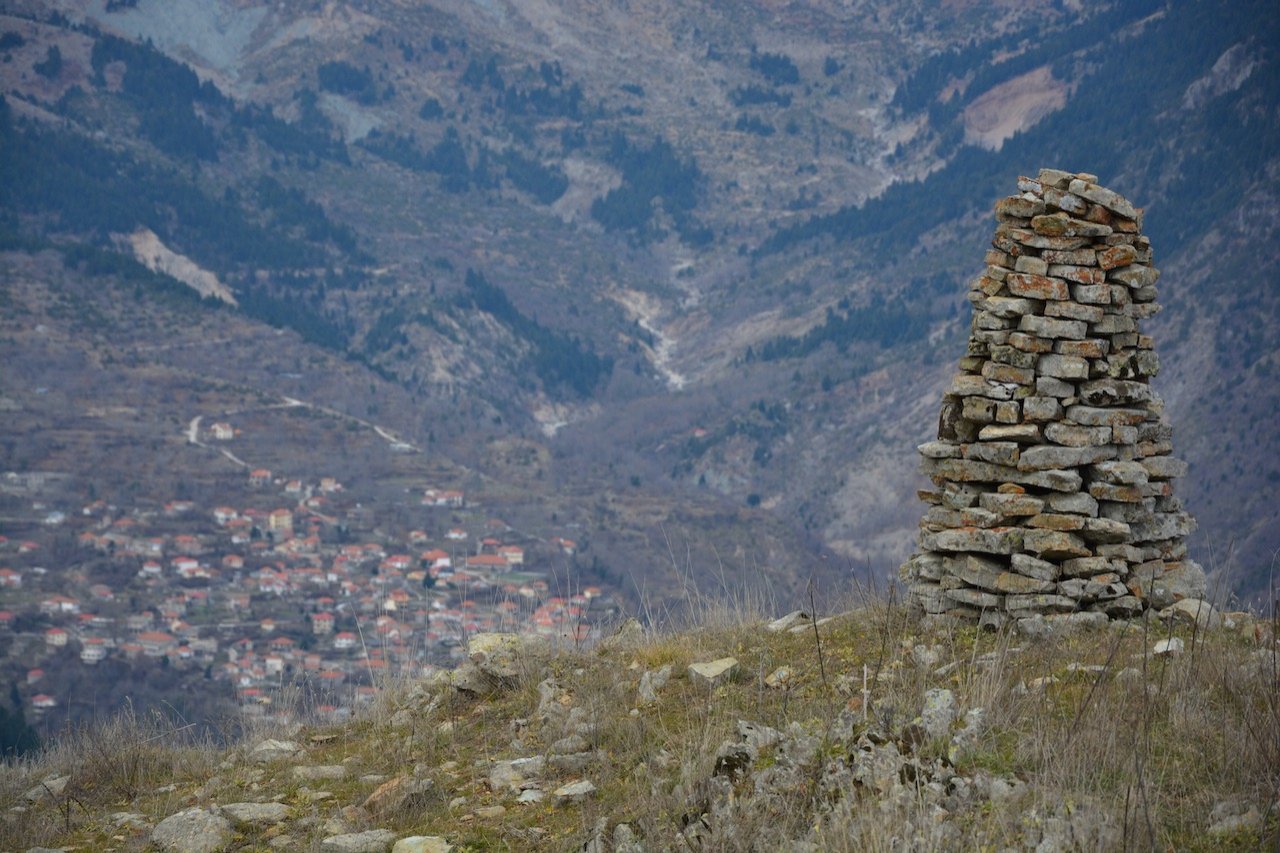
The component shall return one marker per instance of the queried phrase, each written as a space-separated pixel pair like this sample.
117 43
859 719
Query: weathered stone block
1061 225
1074 502
997 372
980 410
1030 343
1041 603
1045 456
1076 258
999 452
1109 199
939 450
1119 471
1024 433
1072 435
1032 240
1078 274
1134 275
996 540
1116 493
1009 354
1032 567
1105 531
1036 286
1056 521
1088 348
1020 206
1117 256
1063 366
1051 386
1032 265
975 598
1093 416
1164 467
1010 505
1050 327
1114 392
1008 306
1093 294
1055 544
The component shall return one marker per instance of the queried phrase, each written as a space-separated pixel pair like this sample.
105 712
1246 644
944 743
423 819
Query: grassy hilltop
862 732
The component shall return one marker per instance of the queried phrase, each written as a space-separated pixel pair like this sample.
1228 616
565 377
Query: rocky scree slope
849 732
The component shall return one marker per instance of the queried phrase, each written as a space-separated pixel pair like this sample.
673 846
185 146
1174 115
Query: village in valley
288 585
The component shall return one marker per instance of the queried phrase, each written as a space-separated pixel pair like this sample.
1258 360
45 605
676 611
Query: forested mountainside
689 276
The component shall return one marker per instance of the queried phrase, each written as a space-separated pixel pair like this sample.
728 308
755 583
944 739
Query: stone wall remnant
1052 467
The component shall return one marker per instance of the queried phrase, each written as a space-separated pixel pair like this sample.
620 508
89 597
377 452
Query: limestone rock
192 831
422 844
397 794
573 792
273 750
939 712
713 673
372 841
651 682
504 656
797 617
255 814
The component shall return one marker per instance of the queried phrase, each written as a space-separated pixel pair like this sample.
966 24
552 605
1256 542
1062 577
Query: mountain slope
710 262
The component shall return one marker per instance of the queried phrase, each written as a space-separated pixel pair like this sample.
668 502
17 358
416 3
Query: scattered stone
255 814
192 831
713 673
651 682
780 679
402 792
133 820
1172 646
511 775
422 844
574 792
939 712
273 750
792 619
372 841
316 772
1194 611
505 656
50 788
491 812
1230 817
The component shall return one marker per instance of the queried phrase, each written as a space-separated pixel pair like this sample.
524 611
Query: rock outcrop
1053 468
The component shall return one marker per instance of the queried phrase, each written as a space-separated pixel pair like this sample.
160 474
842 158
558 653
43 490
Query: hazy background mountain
688 275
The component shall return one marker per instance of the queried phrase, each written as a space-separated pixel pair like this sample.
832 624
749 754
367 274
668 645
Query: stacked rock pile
1054 479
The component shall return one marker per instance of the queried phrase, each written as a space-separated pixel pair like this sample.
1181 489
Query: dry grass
1094 720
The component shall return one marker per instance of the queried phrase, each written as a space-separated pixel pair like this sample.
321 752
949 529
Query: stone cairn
1054 480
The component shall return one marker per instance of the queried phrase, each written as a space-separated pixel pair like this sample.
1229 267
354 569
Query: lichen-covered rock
372 841
192 831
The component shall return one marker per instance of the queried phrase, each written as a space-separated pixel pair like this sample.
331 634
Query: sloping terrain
641 239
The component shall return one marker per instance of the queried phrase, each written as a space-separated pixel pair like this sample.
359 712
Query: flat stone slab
255 814
422 844
712 673
372 841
